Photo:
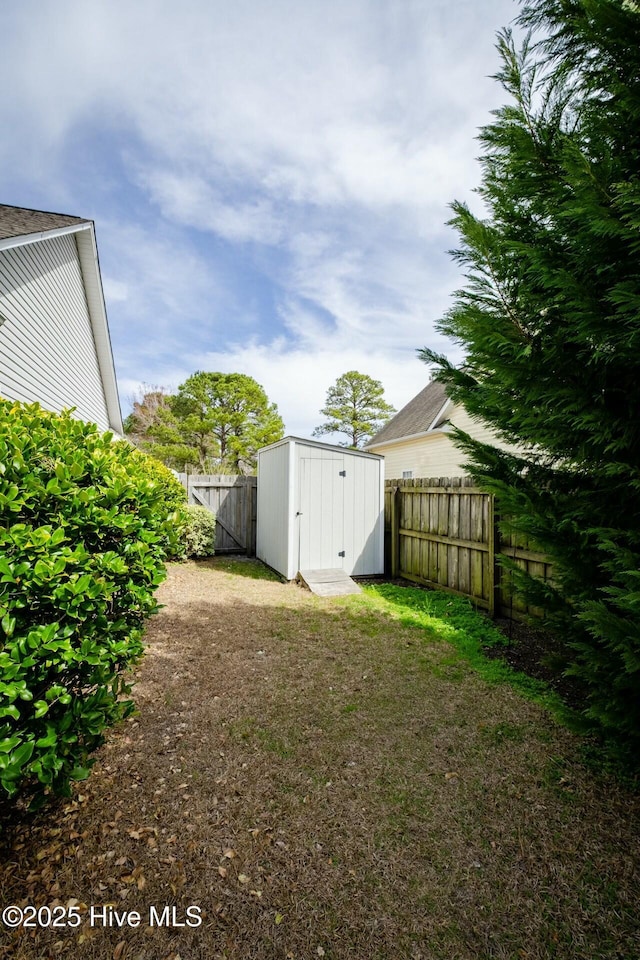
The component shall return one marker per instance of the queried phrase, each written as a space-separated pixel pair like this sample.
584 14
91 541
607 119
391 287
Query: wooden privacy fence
443 533
233 500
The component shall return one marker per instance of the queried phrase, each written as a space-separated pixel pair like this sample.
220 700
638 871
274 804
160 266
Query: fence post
395 532
494 567
249 506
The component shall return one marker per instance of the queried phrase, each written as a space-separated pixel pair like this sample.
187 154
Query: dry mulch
322 781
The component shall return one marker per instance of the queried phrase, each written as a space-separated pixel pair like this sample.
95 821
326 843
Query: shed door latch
342 553
342 473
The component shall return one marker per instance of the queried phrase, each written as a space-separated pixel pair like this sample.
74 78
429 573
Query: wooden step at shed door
328 583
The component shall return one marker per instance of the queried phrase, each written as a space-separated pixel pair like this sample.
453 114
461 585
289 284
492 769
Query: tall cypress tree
549 319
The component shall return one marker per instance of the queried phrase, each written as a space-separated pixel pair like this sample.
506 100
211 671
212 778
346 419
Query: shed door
321 513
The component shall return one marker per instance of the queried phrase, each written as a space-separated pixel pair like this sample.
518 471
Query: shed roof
425 412
319 443
21 221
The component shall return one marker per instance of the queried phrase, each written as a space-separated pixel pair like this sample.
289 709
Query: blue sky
270 182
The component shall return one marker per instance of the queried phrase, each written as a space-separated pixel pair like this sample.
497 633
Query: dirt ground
320 781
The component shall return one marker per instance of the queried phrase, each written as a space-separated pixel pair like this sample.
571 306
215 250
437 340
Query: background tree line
215 423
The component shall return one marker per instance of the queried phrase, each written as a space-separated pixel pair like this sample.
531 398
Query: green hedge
84 530
196 533
174 496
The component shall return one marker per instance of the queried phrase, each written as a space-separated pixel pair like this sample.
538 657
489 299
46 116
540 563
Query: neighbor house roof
427 411
19 221
19 226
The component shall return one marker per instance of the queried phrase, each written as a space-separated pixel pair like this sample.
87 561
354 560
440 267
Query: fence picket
233 499
443 532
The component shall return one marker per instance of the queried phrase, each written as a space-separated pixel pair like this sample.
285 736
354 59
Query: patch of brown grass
322 781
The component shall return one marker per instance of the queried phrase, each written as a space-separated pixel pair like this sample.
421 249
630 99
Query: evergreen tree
355 406
215 423
549 320
227 417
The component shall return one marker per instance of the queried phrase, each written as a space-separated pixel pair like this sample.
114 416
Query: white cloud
192 201
340 103
321 141
161 294
115 291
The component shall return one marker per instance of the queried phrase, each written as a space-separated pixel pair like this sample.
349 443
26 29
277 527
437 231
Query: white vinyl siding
433 455
47 350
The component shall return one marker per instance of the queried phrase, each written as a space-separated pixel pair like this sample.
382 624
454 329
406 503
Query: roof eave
440 414
432 428
24 238
413 436
90 266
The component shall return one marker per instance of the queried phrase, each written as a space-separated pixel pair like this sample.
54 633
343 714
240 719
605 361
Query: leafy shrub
174 496
200 532
83 534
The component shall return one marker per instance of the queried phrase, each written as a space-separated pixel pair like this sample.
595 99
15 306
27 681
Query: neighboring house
417 441
54 338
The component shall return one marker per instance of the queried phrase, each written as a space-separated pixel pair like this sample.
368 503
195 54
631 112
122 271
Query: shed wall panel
273 510
47 351
367 520
320 514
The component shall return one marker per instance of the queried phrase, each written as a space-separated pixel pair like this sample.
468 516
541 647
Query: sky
270 181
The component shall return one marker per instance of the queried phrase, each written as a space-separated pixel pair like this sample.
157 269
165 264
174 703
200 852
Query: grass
442 616
334 776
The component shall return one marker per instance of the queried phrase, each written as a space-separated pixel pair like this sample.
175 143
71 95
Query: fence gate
233 500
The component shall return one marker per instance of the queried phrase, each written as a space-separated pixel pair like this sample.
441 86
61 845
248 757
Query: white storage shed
320 507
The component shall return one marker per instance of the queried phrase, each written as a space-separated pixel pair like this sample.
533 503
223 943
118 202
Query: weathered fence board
443 533
233 500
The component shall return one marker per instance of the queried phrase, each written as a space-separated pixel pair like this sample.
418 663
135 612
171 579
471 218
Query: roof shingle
20 221
416 417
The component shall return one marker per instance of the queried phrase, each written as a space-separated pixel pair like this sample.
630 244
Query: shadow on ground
320 780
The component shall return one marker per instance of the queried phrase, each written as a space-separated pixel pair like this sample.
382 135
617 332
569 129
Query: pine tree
229 415
355 406
549 320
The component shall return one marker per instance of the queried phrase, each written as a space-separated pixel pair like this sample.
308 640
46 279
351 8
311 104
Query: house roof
21 226
425 412
19 221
